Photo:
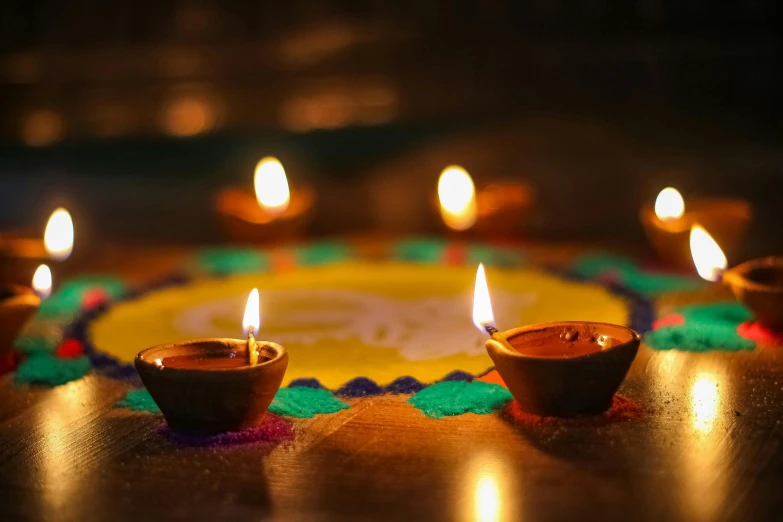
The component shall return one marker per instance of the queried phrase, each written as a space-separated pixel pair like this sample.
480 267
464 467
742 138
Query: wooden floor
709 448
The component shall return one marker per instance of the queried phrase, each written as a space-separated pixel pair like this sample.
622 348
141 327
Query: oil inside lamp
707 255
457 197
42 281
58 236
669 204
271 186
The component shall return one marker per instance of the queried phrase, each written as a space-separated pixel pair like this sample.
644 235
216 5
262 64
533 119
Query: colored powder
232 260
419 250
303 402
698 337
35 344
69 349
669 320
756 332
457 397
622 409
321 254
405 384
272 430
69 298
9 362
727 312
493 377
138 400
704 327
495 256
360 387
51 371
628 274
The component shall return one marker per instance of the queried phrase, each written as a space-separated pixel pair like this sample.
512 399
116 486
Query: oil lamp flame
58 236
482 306
271 185
707 256
252 318
669 204
457 196
42 281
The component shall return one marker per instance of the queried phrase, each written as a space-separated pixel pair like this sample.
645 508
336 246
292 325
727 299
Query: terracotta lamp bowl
199 398
758 284
502 210
18 304
244 221
725 219
567 368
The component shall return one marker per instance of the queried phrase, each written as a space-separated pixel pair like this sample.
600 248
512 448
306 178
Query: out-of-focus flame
707 256
271 184
482 306
58 236
457 196
252 318
669 204
42 281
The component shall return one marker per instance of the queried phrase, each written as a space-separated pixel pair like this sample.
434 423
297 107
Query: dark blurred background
134 113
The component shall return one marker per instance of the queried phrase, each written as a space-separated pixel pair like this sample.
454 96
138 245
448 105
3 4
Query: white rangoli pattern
420 329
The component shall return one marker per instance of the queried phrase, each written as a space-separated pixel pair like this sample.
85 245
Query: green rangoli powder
138 400
457 397
51 371
302 402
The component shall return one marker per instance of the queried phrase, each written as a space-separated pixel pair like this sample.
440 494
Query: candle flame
709 259
457 196
271 185
252 318
482 305
42 281
669 204
58 236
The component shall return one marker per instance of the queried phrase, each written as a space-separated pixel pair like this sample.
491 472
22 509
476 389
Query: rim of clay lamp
216 346
740 276
630 337
22 297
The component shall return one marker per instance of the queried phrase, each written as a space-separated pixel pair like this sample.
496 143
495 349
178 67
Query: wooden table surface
709 448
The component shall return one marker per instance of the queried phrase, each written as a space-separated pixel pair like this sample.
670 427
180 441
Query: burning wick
483 317
251 323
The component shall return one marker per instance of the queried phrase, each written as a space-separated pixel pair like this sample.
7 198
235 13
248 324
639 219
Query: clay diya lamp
669 222
18 305
758 284
272 214
210 386
561 369
21 253
497 210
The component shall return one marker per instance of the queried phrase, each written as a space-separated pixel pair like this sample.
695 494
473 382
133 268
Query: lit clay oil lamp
210 386
758 283
18 305
20 254
498 210
669 222
562 369
274 213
